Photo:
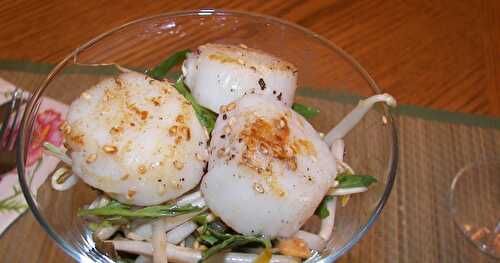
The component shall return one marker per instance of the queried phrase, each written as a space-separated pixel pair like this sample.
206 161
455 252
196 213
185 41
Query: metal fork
12 111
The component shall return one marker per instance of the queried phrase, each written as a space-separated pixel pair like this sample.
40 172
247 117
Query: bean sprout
346 191
63 180
327 223
189 255
313 241
176 235
159 242
355 116
56 152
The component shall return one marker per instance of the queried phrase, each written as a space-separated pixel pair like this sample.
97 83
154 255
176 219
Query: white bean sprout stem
342 167
347 191
189 255
176 235
59 182
313 241
175 253
327 223
100 201
144 231
103 233
56 152
353 118
159 242
337 149
194 198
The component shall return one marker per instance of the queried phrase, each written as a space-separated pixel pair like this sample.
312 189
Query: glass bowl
328 78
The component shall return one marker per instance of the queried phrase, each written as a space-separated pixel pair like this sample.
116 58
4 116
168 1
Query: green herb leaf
209 239
201 219
306 111
348 180
205 116
231 241
160 71
322 209
115 208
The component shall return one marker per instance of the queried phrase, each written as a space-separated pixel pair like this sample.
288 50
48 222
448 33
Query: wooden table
441 54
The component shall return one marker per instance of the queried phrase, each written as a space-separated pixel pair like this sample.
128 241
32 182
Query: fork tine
6 117
15 123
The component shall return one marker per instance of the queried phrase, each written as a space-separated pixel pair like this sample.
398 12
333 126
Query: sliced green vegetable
201 219
322 209
306 111
348 180
115 208
209 239
230 241
205 116
160 71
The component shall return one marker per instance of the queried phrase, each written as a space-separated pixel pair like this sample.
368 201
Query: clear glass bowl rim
34 102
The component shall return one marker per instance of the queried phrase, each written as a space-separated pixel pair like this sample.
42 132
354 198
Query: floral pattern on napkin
40 165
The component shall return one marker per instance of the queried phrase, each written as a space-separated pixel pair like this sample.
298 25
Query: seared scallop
136 139
268 168
219 74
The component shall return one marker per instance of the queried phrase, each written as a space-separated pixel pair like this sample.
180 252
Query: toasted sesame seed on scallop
136 139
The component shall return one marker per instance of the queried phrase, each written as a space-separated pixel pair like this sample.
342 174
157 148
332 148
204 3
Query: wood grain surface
443 54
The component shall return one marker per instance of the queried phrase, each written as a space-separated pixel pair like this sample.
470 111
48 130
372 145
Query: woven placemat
415 225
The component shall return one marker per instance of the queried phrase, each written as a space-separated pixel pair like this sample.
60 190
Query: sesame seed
231 106
243 46
115 130
173 130
198 157
384 120
321 135
186 132
258 187
227 129
221 152
65 128
142 169
232 120
263 149
178 165
91 158
125 177
223 108
110 149
282 124
292 164
180 118
131 192
144 115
